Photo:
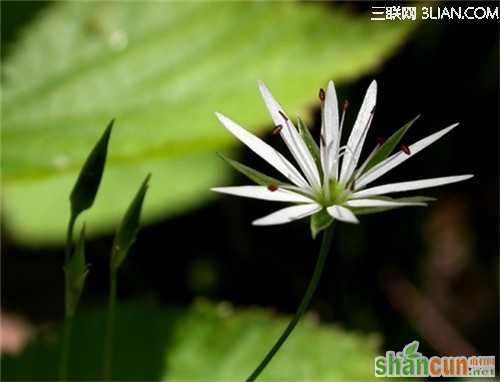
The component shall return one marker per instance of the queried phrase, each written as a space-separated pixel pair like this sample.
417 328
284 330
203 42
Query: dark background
428 274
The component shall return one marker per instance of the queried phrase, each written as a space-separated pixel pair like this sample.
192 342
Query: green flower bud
86 186
127 231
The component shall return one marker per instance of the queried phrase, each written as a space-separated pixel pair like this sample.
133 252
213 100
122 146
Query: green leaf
162 69
388 146
205 342
254 175
410 350
85 190
75 272
127 232
320 221
310 142
374 210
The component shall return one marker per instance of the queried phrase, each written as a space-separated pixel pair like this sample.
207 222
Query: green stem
63 366
108 350
325 249
68 319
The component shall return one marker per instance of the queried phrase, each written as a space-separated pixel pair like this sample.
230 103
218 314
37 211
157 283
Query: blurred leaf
162 69
205 343
75 271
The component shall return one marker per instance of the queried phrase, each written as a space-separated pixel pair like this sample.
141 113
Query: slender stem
68 319
108 350
63 366
325 249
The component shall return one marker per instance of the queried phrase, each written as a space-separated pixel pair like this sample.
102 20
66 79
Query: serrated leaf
205 342
254 175
389 145
127 231
162 69
409 199
87 184
320 221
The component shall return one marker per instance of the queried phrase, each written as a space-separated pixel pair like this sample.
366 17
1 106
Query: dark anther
321 95
345 105
405 149
272 187
380 141
277 130
283 115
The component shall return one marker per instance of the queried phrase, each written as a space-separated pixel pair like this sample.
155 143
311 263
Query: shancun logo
411 363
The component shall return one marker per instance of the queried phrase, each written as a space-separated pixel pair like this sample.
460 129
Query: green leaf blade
252 174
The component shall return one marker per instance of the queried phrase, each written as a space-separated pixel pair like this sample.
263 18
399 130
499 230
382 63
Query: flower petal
291 136
408 186
342 214
330 131
380 203
398 158
288 214
263 193
358 134
266 152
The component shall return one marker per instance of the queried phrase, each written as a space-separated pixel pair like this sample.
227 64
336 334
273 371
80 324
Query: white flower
330 183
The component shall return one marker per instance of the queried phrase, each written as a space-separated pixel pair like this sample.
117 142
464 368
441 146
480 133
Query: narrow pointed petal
291 136
342 214
266 152
330 131
288 214
358 134
398 158
381 203
409 186
263 193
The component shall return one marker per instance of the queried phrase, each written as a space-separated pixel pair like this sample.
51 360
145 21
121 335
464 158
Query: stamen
380 141
405 149
345 105
277 130
322 95
272 187
283 115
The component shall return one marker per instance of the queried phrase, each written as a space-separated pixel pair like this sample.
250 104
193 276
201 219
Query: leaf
388 146
409 199
162 69
205 342
85 189
310 143
254 175
410 350
320 221
75 271
127 231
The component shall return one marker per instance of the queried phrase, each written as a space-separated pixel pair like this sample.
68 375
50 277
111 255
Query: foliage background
429 274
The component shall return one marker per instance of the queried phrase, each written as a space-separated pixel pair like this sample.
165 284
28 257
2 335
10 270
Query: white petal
329 144
380 203
288 214
266 152
342 214
398 158
263 193
358 134
291 136
408 186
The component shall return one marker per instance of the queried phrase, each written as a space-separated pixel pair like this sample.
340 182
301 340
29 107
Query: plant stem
325 249
108 350
68 319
